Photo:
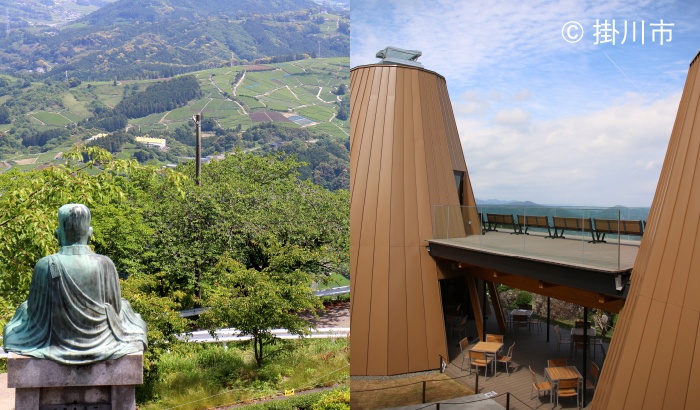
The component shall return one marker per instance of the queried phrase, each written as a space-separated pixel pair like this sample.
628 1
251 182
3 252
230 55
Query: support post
198 159
423 391
496 302
474 296
549 312
585 353
483 311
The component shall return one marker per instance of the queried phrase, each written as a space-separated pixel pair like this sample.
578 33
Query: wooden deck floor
573 250
531 349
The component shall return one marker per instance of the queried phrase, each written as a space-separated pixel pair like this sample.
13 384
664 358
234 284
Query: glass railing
597 237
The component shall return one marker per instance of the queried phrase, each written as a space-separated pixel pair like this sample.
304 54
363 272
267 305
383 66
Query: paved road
231 335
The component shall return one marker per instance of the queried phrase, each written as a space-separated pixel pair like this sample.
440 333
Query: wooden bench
492 220
534 221
573 224
614 226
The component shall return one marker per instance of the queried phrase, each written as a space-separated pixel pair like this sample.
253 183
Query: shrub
523 298
334 400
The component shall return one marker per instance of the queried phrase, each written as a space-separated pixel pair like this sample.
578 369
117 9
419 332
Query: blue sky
541 118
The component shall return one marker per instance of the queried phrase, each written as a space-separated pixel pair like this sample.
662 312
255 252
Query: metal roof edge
696 57
400 66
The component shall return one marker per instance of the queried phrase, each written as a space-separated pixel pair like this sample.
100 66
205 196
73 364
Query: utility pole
198 126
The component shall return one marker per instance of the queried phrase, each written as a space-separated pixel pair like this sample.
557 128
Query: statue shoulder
43 263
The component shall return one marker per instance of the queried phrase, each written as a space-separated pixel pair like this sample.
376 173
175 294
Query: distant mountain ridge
631 213
506 202
136 39
131 11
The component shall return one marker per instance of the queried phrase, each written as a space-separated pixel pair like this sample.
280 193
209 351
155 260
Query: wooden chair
463 347
561 340
521 321
578 342
556 363
479 359
602 324
494 338
541 387
535 321
568 388
506 360
459 327
508 318
594 373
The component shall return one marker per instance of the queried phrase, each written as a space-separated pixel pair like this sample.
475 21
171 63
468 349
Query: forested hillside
299 108
132 39
26 13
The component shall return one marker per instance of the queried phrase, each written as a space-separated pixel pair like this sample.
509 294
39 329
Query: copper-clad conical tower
654 358
406 157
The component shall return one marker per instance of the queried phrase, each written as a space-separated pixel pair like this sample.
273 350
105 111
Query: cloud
513 118
608 157
522 95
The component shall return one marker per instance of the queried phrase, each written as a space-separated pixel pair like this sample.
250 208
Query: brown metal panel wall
377 358
426 189
417 343
361 268
397 362
360 312
677 384
401 161
415 315
437 160
653 360
357 122
436 142
693 397
448 220
609 372
377 352
456 159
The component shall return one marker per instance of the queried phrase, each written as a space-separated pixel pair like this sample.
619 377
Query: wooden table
579 331
554 374
521 312
490 348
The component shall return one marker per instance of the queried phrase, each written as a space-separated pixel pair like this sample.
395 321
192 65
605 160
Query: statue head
73 225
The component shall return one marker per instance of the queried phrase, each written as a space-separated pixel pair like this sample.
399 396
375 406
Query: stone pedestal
46 385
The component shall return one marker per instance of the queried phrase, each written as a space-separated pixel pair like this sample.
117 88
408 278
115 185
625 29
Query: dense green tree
30 201
160 97
249 207
5 117
256 302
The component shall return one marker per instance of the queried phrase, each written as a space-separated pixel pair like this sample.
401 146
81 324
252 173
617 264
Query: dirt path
235 87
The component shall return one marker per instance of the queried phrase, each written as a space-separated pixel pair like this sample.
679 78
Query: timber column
406 158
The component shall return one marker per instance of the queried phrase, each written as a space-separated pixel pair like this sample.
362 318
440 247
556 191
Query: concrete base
42 384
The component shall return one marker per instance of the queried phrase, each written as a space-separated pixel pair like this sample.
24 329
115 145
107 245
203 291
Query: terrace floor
574 250
531 349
